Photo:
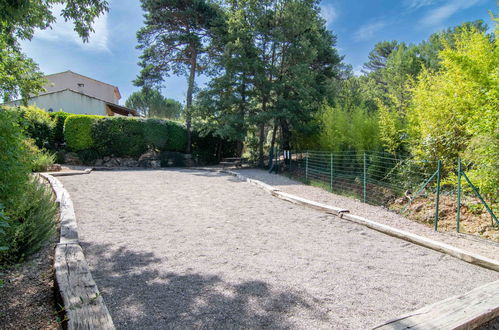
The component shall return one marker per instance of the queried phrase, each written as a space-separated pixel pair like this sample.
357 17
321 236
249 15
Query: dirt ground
192 249
27 297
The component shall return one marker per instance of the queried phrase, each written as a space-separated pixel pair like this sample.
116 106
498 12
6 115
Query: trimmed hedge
119 136
78 131
156 133
177 136
59 119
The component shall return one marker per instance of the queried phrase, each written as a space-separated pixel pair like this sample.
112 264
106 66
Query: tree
19 75
150 103
275 69
379 55
175 39
454 111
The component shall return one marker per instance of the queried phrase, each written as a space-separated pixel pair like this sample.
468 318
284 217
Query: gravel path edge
84 306
453 251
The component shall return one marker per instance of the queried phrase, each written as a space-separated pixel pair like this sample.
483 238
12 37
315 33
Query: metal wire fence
376 178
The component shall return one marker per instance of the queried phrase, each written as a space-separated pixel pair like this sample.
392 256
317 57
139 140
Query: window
81 85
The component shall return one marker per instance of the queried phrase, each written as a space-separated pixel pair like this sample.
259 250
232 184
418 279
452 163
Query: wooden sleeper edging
83 304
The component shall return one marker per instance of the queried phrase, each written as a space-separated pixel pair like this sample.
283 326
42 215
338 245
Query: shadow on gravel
140 297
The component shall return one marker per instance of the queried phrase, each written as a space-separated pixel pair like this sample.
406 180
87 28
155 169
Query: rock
71 158
106 159
154 163
129 162
149 155
54 168
418 208
99 162
112 163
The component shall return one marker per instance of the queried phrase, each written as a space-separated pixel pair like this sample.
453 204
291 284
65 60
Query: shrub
27 212
119 136
37 125
156 133
177 136
87 156
33 224
59 118
42 161
172 158
14 159
78 131
3 225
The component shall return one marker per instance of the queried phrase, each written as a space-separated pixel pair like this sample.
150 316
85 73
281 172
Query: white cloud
62 31
367 31
416 4
329 13
440 14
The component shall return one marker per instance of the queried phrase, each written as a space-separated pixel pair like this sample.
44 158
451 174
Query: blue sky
110 56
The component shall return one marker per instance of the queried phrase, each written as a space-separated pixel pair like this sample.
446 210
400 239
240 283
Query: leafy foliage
150 103
119 136
27 212
19 75
59 118
37 125
454 111
14 160
177 138
32 225
78 131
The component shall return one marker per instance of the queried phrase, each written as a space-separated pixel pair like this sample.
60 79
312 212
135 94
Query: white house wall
68 101
71 80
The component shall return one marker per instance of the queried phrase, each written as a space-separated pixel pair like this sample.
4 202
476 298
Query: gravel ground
194 249
467 242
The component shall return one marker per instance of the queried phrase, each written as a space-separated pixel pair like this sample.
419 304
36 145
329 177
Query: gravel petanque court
174 249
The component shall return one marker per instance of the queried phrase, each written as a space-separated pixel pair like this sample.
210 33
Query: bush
27 212
177 136
33 224
4 223
87 156
14 159
42 161
156 133
37 125
78 131
59 119
172 158
119 136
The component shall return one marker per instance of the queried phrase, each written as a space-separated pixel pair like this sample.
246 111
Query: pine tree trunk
261 163
188 102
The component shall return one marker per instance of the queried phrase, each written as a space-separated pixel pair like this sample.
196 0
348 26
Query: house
74 93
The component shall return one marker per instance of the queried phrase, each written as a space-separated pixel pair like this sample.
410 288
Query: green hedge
177 136
122 136
119 136
59 118
78 131
156 133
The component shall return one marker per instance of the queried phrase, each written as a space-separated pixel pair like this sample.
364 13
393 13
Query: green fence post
458 193
306 167
437 198
331 176
365 177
